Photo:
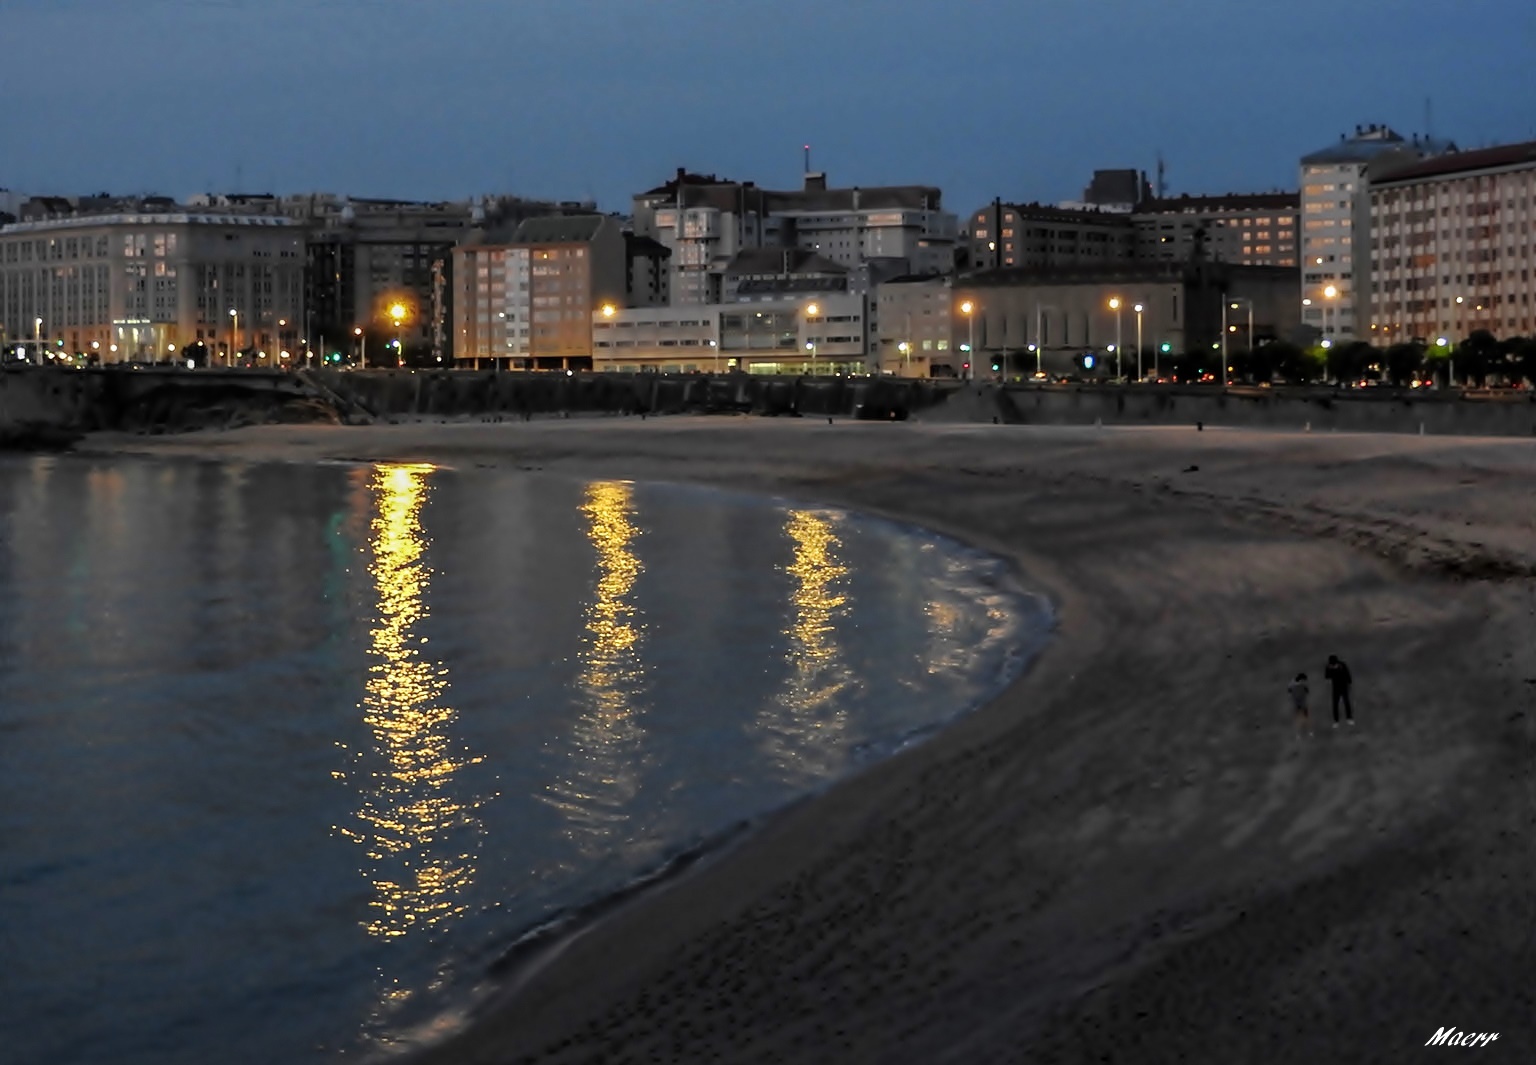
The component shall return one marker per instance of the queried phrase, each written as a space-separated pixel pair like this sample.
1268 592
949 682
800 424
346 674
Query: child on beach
1298 692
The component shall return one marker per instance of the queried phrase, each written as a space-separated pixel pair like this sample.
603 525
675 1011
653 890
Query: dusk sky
575 99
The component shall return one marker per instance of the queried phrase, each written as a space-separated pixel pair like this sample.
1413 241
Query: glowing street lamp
234 334
1114 305
362 354
397 312
811 311
968 309
1138 309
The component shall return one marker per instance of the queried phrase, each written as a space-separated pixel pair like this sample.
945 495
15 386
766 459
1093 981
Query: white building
1452 247
146 286
705 222
1335 223
822 334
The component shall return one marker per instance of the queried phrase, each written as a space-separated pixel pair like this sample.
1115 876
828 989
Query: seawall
45 402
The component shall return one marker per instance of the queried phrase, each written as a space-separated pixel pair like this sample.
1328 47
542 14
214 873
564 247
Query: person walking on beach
1337 675
1298 691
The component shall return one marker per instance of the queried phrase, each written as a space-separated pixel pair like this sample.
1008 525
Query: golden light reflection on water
410 817
602 770
804 726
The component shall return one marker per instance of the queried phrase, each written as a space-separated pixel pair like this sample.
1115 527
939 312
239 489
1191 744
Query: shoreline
1029 878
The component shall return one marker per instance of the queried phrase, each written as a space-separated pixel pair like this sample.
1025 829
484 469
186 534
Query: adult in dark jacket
1337 675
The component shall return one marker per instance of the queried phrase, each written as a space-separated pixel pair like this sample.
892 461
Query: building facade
821 335
705 222
1257 229
1335 223
528 303
1452 247
1024 320
1034 236
148 287
917 317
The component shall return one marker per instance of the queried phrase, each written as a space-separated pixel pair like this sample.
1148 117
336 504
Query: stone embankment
50 407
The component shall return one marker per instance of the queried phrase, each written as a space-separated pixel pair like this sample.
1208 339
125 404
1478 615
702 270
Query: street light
397 312
1329 295
362 355
234 335
968 309
37 338
1114 305
1138 309
811 311
1233 302
1450 362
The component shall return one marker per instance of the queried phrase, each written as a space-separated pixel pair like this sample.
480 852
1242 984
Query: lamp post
234 335
37 339
362 354
397 314
905 348
1114 305
1450 362
968 309
1233 302
811 311
1138 308
1330 294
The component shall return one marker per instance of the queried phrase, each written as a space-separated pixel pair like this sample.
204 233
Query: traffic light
965 366
1167 347
995 367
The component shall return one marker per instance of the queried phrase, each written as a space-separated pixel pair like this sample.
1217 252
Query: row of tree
1481 360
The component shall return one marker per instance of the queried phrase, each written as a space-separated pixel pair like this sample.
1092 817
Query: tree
1477 355
1291 362
1523 358
1346 362
1404 359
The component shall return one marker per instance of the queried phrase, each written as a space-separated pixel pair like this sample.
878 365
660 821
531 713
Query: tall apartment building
528 303
1452 248
1253 229
147 286
1335 222
706 221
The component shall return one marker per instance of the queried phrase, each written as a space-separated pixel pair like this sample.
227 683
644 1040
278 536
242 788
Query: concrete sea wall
35 400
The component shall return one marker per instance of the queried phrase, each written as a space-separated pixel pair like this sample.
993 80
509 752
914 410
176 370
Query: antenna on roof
1429 120
1162 183
807 159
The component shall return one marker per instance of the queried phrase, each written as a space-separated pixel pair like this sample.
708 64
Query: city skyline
601 99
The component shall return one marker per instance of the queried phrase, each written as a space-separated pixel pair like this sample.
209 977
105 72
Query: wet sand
1128 856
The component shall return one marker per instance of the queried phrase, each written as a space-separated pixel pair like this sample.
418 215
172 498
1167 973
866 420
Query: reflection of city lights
803 729
603 765
409 810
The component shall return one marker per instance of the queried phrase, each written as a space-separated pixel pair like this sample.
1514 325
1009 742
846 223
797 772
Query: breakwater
48 404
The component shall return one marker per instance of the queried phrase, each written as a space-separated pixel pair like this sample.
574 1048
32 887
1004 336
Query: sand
1127 856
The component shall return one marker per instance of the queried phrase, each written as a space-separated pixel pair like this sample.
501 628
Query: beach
1128 855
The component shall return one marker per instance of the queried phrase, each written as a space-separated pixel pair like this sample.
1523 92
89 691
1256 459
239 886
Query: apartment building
148 286
1253 229
1452 248
706 221
1335 223
917 318
529 303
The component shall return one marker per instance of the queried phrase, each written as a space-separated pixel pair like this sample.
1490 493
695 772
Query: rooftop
83 221
1232 201
1503 155
559 229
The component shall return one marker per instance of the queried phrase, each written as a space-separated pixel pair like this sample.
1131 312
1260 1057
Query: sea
294 756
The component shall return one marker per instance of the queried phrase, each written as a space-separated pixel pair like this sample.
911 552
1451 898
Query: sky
603 99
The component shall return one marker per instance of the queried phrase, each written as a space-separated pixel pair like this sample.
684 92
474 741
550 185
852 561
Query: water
290 754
